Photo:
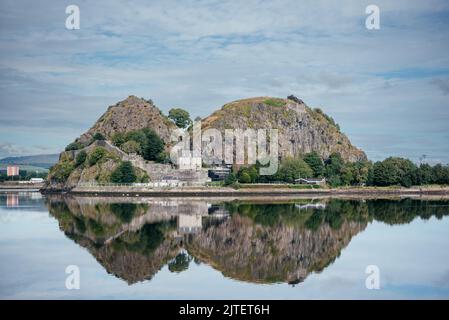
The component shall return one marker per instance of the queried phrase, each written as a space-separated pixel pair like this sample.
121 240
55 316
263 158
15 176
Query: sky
388 88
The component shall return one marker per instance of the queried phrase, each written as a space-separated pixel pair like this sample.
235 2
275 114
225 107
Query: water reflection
245 240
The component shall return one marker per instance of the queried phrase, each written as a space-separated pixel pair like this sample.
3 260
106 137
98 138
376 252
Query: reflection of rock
247 251
256 242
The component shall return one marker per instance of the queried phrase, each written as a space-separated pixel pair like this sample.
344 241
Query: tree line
337 172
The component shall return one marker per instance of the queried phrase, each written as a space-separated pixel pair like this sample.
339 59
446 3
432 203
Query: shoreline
244 192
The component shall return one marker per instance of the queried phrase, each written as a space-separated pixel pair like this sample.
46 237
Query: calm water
250 249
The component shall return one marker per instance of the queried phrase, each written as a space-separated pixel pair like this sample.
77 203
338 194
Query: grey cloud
442 84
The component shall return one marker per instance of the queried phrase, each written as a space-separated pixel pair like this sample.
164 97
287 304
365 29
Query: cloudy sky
388 89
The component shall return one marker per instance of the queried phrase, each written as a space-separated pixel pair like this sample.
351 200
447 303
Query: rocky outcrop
301 129
133 113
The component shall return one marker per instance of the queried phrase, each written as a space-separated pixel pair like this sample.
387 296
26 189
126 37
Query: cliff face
301 129
133 113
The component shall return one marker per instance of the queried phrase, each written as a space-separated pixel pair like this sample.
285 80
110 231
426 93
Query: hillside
41 160
301 129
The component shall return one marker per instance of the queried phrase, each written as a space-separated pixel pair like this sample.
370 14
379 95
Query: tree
124 173
334 164
315 163
394 171
98 136
153 147
424 174
440 174
180 263
245 177
230 179
180 116
293 168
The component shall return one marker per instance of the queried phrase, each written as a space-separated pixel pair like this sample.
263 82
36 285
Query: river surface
156 248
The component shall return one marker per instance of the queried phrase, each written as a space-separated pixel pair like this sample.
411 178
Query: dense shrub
80 158
96 155
62 170
98 136
74 146
124 173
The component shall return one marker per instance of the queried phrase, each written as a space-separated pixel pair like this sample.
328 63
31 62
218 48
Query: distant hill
41 160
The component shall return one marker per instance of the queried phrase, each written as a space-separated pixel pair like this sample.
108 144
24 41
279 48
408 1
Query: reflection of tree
124 211
180 263
259 242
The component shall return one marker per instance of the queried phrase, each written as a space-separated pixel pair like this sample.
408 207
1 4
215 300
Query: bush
80 158
293 168
146 142
131 147
74 146
62 170
245 178
118 139
99 136
124 173
230 179
96 155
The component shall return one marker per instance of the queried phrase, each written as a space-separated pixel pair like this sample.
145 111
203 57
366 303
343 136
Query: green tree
293 168
180 263
153 147
440 174
424 174
180 116
334 170
244 177
315 163
124 173
394 171
230 179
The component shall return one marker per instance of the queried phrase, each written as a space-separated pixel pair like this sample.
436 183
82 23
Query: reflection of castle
189 223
